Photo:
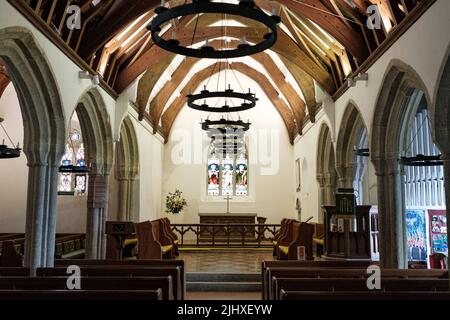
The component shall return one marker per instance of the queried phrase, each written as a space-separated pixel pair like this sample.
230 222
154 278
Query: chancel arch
326 168
401 120
44 138
96 129
352 142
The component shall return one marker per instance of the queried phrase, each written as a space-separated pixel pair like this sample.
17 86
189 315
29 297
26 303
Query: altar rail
226 235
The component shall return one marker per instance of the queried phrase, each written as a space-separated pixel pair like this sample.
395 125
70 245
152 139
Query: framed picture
298 180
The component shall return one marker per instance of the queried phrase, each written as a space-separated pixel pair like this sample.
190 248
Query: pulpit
347 238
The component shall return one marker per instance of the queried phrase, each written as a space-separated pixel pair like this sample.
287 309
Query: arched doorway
44 139
126 173
400 121
96 129
351 150
326 169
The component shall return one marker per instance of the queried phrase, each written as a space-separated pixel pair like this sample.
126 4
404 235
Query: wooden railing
226 235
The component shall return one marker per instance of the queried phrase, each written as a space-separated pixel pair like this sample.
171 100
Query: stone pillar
96 216
40 226
330 189
391 216
346 176
127 189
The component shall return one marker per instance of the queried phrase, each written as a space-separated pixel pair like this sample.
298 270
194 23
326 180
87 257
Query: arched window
73 183
227 173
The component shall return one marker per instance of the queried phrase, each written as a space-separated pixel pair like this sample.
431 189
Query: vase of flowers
175 202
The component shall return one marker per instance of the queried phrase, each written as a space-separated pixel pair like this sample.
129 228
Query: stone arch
127 172
352 133
44 138
97 134
326 168
391 119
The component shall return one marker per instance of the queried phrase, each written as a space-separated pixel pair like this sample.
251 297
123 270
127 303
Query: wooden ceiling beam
121 14
319 13
284 47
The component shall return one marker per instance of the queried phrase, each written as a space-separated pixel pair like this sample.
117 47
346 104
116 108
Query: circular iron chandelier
245 8
224 126
249 101
5 151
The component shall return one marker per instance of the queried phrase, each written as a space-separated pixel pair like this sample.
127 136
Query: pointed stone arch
127 172
392 115
326 168
352 133
97 134
44 138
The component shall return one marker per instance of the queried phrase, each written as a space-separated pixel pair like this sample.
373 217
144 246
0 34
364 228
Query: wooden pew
281 233
305 264
14 272
149 246
143 263
167 244
77 295
298 234
91 284
172 235
345 273
361 296
123 271
342 284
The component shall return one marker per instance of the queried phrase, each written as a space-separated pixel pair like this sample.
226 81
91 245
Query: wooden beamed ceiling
321 42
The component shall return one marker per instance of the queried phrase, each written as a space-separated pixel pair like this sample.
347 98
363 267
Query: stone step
222 277
223 286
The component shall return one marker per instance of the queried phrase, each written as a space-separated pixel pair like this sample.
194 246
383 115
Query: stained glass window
213 175
227 173
71 183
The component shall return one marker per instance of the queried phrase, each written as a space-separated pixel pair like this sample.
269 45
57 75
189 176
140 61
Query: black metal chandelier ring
9 153
244 9
224 126
249 101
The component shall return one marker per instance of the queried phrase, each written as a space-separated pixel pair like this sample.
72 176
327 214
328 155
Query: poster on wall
416 233
438 231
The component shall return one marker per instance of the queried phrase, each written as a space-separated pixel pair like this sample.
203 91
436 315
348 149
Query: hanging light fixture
245 8
422 161
249 100
5 151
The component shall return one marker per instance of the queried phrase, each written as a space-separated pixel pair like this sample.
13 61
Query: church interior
224 149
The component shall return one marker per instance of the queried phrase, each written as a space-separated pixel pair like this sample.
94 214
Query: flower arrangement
175 202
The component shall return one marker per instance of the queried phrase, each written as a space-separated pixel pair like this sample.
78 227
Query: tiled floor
225 261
